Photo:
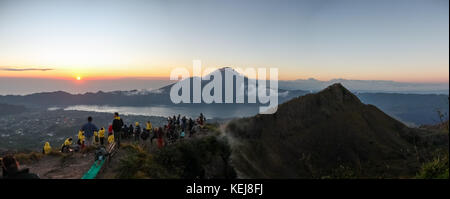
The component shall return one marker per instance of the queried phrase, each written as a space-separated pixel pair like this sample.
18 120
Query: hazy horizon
25 86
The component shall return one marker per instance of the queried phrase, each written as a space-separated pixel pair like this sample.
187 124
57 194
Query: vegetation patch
435 169
202 158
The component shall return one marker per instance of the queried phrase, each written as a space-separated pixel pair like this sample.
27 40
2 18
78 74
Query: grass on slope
202 157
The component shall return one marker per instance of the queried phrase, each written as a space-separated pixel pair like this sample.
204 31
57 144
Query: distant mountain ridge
382 86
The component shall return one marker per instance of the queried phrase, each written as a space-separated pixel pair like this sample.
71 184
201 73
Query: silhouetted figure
117 127
88 130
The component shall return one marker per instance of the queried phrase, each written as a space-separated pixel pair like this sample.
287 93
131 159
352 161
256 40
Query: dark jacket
21 174
89 129
117 125
137 130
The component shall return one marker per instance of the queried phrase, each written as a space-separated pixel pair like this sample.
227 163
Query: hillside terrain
329 134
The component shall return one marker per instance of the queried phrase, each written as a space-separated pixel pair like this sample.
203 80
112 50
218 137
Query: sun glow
78 78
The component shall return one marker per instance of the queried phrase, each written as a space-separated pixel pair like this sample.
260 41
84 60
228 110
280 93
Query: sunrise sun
78 78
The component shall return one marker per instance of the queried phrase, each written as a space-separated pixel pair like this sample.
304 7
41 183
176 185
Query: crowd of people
176 129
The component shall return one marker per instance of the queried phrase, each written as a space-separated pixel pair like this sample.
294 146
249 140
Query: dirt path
55 167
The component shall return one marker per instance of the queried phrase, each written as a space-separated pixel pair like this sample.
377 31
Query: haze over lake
167 111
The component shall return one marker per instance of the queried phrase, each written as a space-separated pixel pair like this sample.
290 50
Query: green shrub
436 169
207 157
139 164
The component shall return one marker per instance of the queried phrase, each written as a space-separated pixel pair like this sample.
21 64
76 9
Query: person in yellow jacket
47 148
96 140
66 145
101 135
148 126
81 138
111 138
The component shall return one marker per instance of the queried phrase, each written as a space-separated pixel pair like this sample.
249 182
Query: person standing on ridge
89 129
125 131
190 126
202 119
96 140
183 123
137 132
148 126
117 127
80 141
101 135
110 129
110 138
154 135
160 137
130 131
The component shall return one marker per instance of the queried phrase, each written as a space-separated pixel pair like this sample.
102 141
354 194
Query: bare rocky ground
62 167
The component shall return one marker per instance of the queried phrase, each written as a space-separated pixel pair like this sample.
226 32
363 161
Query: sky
398 40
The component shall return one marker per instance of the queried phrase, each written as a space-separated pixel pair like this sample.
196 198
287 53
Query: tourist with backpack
101 136
89 128
117 127
80 141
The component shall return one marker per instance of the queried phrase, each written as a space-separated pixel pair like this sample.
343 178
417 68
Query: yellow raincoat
149 126
81 136
96 139
47 148
111 139
101 133
67 142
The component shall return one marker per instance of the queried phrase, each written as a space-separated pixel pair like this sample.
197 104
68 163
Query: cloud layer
26 69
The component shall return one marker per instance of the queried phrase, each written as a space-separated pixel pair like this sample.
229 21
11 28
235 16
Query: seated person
11 169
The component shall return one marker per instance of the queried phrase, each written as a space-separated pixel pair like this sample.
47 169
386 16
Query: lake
167 111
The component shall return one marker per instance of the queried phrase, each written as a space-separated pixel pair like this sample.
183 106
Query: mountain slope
330 133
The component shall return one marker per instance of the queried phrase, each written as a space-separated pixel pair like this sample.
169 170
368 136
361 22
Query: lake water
166 111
